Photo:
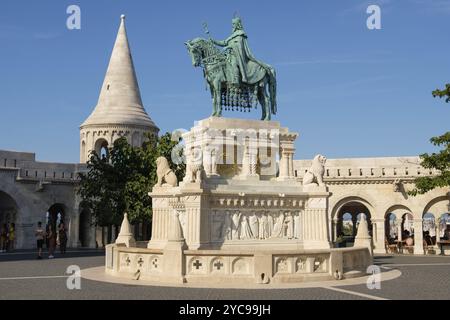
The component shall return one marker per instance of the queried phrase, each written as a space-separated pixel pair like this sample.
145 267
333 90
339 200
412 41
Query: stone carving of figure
210 161
263 226
254 225
289 226
226 230
235 227
217 226
246 232
194 169
270 223
278 227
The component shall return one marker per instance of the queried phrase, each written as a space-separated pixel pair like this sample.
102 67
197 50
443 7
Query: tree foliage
445 93
439 161
120 182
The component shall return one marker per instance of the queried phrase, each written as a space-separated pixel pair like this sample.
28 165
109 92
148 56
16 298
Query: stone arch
360 199
439 207
85 227
430 227
398 210
56 214
439 204
354 205
395 218
101 147
8 216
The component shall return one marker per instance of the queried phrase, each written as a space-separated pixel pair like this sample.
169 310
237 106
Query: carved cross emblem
140 262
127 261
155 263
218 264
197 264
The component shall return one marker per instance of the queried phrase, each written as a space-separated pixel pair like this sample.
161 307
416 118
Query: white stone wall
35 187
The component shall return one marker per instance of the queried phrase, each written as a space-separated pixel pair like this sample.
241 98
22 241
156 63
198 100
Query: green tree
439 160
120 182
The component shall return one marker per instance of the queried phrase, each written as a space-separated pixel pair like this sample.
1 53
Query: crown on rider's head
237 21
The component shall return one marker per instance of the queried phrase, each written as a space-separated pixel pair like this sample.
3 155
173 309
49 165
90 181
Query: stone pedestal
242 201
241 220
125 235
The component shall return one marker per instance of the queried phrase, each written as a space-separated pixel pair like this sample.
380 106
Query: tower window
107 88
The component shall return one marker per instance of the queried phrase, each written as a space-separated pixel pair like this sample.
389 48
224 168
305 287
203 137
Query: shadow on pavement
23 255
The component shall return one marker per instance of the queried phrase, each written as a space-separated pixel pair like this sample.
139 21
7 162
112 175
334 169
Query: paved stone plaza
24 277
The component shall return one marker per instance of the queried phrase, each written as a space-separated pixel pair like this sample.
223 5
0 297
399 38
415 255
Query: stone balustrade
404 168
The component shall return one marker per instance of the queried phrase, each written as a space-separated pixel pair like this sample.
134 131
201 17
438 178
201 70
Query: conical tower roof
120 99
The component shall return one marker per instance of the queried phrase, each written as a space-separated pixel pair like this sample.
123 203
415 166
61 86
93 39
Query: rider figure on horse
243 66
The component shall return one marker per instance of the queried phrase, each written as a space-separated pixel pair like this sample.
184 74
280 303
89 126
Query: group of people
51 238
7 237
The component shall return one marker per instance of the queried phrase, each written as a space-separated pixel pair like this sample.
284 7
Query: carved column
378 234
334 229
399 232
287 151
284 164
196 220
354 221
418 236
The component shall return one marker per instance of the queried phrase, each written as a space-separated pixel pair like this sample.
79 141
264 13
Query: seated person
447 233
427 238
409 241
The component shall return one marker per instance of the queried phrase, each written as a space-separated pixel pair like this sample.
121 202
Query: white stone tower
119 111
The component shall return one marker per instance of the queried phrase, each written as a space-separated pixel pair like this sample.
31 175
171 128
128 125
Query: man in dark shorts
40 236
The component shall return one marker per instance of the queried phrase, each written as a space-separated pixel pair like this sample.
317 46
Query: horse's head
195 48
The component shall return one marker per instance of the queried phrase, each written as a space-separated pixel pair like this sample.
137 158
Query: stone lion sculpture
195 172
314 176
165 175
194 168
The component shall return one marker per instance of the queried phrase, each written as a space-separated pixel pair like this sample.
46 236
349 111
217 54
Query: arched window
101 148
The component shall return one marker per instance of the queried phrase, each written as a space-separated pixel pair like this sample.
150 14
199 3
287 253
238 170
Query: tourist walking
40 236
62 233
4 238
51 236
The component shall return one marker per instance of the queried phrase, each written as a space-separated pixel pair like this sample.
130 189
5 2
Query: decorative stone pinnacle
122 17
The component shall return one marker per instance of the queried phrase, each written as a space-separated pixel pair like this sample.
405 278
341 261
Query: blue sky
348 91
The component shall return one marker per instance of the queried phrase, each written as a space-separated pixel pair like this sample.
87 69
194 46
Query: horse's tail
273 90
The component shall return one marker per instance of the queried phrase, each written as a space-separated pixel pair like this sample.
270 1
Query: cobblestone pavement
24 277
